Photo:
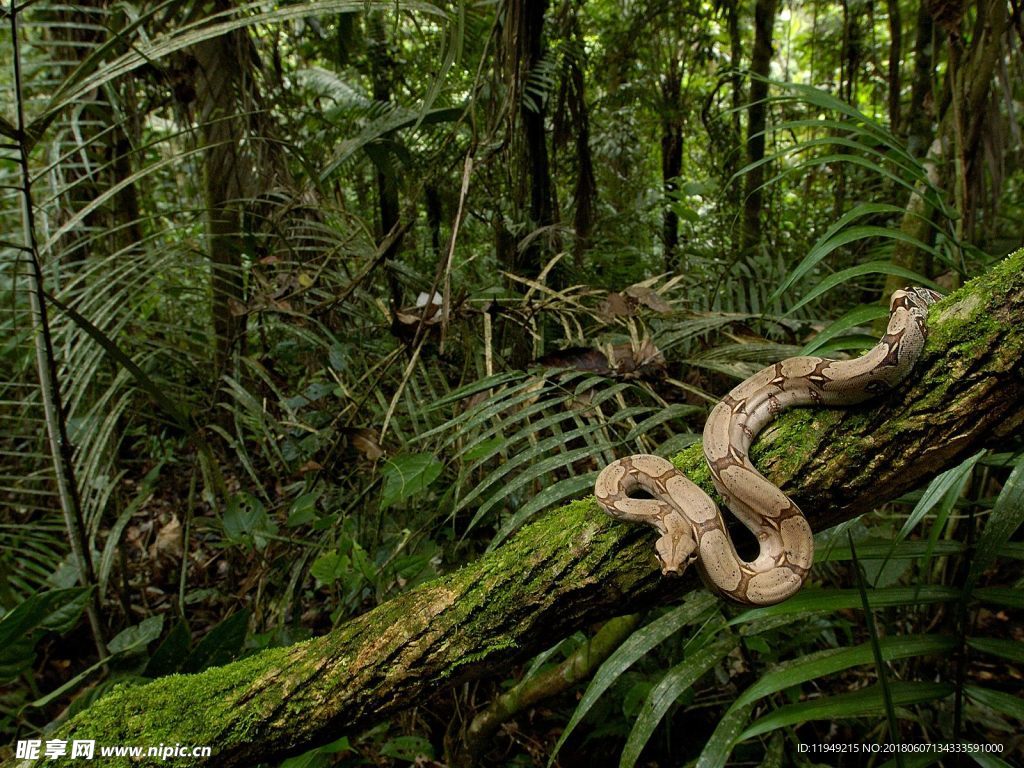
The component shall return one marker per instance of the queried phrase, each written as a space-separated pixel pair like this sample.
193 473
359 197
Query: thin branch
46 365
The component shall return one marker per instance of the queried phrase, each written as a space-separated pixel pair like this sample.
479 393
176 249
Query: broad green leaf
408 748
246 518
1007 516
406 475
857 317
171 653
137 637
863 703
329 567
303 510
1005 703
809 601
869 268
1012 650
636 647
221 644
668 690
20 629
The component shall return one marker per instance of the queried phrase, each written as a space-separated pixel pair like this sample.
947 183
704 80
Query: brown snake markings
690 523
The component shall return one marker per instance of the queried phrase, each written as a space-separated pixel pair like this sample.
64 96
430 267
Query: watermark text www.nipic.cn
87 749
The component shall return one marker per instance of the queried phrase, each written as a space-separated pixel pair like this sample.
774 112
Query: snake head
676 549
914 297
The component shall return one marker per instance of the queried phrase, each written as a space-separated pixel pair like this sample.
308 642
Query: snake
690 523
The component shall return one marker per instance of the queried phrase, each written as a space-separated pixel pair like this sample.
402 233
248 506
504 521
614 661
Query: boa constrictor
690 523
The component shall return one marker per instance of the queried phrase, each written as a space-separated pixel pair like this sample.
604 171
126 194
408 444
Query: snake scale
689 521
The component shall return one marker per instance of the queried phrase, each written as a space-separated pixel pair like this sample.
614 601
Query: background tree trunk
577 566
526 45
895 54
959 132
226 181
760 68
671 156
382 65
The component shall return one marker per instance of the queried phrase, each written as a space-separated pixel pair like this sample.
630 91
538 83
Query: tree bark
533 189
226 179
922 101
671 156
585 191
960 129
576 566
895 55
382 66
760 68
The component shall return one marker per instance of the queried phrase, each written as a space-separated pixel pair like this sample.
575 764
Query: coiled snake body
690 523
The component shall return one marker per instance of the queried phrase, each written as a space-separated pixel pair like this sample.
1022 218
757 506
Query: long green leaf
802 670
989 760
636 647
809 601
862 703
857 212
668 690
1012 650
862 315
832 660
1005 703
952 480
176 413
1007 516
553 494
869 268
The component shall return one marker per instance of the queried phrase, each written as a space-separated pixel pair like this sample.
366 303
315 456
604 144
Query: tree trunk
533 189
671 157
219 85
382 64
576 566
921 116
519 247
895 55
960 129
585 191
760 68
849 67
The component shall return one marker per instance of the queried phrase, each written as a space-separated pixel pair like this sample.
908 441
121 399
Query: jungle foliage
304 304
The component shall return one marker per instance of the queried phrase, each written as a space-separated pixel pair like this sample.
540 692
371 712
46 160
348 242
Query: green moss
965 318
194 710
